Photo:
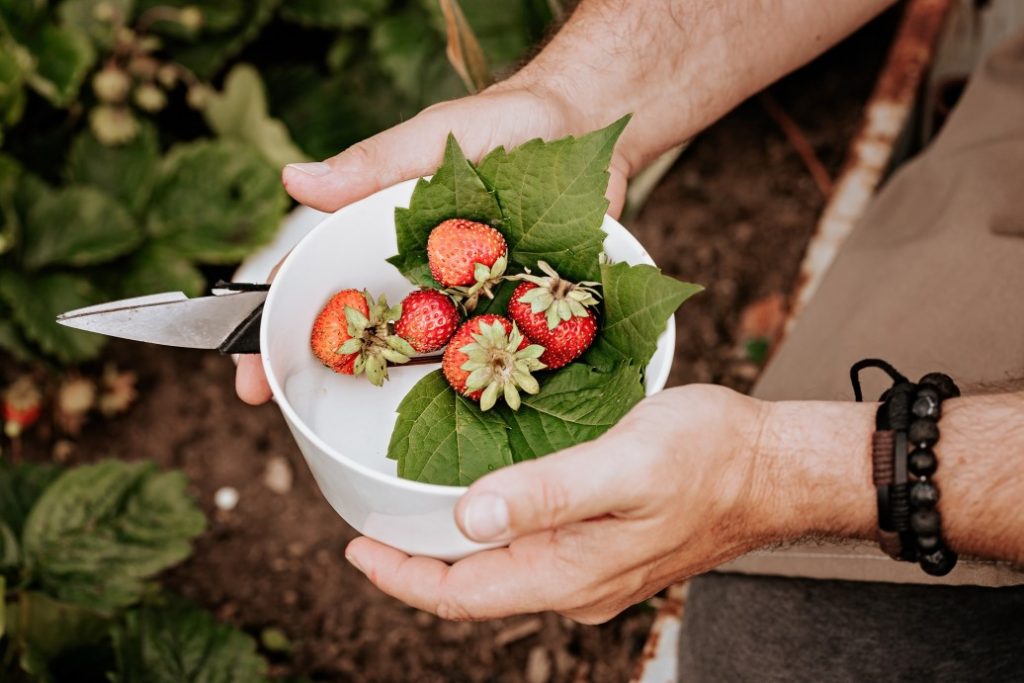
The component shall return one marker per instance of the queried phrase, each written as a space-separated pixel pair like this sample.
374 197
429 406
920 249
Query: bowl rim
296 421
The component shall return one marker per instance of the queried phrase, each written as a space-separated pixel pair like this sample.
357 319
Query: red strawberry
330 330
23 403
488 358
429 319
465 253
555 313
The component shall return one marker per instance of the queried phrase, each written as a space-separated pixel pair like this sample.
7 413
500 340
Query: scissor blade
170 319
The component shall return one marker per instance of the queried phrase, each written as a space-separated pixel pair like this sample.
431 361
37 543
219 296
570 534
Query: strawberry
488 357
23 403
429 319
556 314
468 257
330 330
372 342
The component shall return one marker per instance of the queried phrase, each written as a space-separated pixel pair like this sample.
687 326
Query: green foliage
125 172
547 199
178 642
89 539
333 14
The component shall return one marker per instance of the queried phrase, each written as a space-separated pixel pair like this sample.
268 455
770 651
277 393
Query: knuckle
452 609
555 502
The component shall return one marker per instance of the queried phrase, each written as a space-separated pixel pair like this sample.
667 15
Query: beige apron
931 279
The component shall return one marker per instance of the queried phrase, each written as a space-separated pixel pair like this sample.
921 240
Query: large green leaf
125 172
637 303
182 643
78 226
443 438
224 33
333 13
11 339
101 531
412 54
158 268
84 16
215 201
239 113
12 92
44 628
36 300
454 191
552 198
63 57
20 487
576 404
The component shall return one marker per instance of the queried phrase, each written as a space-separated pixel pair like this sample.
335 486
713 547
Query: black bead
923 432
939 562
922 463
924 522
928 543
944 383
923 495
899 405
927 404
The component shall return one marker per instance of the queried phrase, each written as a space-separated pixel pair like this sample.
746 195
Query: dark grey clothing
755 628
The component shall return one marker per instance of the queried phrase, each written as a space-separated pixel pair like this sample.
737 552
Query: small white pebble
278 475
226 498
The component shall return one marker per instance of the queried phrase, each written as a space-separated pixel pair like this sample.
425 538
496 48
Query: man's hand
507 114
677 487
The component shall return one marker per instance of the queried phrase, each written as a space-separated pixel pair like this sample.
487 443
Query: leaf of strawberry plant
20 486
63 57
101 531
78 226
455 191
333 14
215 201
576 404
45 628
158 268
552 198
637 302
443 438
125 172
180 642
36 300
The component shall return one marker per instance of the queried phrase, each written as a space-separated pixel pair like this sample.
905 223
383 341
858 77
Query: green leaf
576 404
9 556
45 628
225 32
443 438
11 339
183 643
403 47
20 487
78 226
637 303
12 94
81 15
63 57
215 201
239 113
332 13
455 191
36 300
157 268
10 221
125 172
552 198
101 531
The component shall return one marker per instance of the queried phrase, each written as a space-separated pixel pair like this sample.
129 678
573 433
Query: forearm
819 457
680 64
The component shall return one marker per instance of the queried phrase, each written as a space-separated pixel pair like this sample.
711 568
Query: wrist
816 459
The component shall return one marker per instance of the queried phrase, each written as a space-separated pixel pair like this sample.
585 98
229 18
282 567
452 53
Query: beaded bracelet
909 525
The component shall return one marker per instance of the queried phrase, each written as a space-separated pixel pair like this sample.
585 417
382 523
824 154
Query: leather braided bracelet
909 525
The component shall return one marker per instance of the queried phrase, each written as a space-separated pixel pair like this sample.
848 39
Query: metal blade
171 319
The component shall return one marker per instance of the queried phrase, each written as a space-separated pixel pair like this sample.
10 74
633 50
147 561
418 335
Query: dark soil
734 214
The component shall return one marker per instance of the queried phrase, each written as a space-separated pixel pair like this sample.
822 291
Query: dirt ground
734 214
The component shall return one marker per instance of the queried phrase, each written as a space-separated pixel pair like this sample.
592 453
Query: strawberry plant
79 554
570 362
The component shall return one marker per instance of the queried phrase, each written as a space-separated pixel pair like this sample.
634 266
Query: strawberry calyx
559 299
486 279
374 341
499 367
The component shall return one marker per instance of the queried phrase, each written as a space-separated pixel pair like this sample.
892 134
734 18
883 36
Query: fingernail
354 562
313 168
486 517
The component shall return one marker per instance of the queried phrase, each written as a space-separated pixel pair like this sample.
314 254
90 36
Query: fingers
250 381
590 480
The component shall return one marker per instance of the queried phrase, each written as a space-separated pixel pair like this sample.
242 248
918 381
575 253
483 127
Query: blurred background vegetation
141 140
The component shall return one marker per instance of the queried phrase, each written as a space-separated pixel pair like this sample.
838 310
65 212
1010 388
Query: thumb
590 480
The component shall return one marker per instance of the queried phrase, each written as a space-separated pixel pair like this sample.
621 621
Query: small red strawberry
23 403
330 330
489 358
429 319
372 341
556 314
468 257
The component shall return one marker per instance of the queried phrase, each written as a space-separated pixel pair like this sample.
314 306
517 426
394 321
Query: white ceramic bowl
343 424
